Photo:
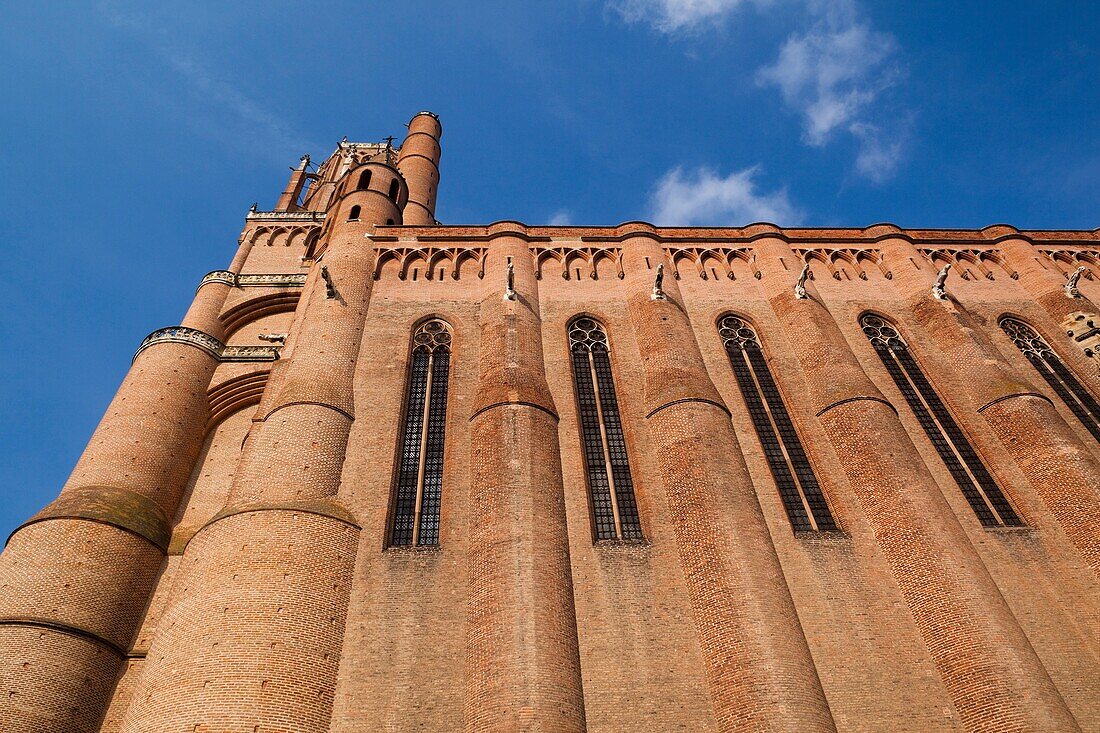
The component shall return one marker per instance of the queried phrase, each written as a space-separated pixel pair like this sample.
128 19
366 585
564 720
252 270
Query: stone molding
209 344
249 353
274 280
286 215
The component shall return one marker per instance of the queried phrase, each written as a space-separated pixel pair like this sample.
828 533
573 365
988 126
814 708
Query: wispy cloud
258 121
672 16
831 71
561 218
232 114
702 197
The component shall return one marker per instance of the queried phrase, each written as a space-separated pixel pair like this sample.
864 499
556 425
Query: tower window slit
610 485
419 484
1068 388
963 463
364 181
790 467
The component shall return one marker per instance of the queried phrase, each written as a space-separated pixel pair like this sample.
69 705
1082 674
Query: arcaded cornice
797 236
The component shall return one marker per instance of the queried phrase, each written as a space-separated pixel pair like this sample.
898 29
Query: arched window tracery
790 467
974 480
419 483
1054 371
610 485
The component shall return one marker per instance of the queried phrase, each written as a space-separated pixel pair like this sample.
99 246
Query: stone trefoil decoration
1071 283
658 292
330 289
800 286
510 282
938 290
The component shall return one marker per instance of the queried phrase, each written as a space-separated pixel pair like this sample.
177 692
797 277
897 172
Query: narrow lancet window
975 482
419 483
364 181
794 477
610 487
394 190
1054 371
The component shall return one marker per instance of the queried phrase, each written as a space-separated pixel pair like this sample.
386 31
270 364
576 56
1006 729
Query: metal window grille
1054 371
419 485
962 461
790 466
610 486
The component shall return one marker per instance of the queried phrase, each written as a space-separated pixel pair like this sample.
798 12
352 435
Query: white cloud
703 198
561 218
670 16
830 75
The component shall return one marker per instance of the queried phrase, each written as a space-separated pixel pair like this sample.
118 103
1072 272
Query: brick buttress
758 665
75 579
523 663
1060 468
993 675
229 658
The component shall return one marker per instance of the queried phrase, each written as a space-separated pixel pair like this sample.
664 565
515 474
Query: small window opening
1054 371
394 188
790 467
962 461
364 181
419 483
353 215
610 485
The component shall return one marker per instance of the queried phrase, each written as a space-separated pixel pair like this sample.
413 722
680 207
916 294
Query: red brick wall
287 611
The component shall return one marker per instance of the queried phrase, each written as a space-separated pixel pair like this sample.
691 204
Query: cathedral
389 474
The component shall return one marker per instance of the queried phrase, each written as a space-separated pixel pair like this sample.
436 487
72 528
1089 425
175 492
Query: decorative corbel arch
874 257
385 256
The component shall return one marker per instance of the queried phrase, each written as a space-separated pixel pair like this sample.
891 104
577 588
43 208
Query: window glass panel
433 462
616 447
409 460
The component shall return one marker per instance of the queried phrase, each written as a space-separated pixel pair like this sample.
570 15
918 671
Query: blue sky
137 134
